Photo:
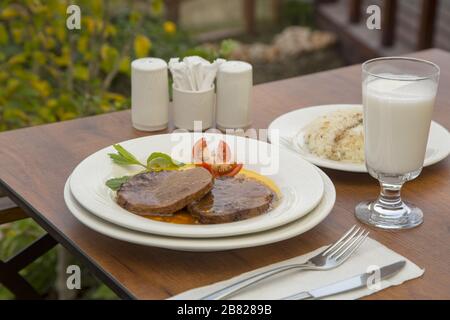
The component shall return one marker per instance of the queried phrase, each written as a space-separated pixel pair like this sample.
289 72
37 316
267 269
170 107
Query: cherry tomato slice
236 168
221 165
200 152
207 166
223 153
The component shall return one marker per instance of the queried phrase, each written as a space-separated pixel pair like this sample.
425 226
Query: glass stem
390 195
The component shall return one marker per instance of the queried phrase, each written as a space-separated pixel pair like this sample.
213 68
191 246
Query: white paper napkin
193 73
371 253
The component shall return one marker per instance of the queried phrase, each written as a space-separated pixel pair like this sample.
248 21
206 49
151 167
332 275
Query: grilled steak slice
164 192
232 199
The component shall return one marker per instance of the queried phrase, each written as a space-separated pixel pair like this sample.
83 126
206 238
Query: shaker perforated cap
149 64
234 66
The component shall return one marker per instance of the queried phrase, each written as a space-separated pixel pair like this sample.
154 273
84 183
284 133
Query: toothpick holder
192 106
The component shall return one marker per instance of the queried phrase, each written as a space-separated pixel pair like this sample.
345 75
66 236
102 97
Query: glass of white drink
398 100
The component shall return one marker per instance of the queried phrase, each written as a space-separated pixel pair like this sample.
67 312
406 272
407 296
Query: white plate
291 123
299 182
216 244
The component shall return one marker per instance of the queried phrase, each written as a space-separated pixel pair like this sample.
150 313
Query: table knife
349 284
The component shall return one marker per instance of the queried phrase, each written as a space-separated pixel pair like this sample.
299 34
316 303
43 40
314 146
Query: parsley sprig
157 161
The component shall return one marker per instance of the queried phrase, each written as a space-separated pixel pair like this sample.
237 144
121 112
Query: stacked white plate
307 196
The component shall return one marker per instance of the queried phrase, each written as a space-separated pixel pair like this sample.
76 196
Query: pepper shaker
149 94
234 90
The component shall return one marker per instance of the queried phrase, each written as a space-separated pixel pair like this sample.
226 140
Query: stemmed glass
398 100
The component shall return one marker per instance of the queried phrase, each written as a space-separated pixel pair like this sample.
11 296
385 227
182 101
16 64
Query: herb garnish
157 161
115 183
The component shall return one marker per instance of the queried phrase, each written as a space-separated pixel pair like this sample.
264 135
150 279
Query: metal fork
331 257
288 142
285 140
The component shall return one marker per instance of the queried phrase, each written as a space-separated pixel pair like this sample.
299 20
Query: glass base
403 216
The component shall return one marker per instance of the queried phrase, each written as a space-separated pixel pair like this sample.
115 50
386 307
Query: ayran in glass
398 100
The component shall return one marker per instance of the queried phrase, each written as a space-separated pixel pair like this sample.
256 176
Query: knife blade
349 284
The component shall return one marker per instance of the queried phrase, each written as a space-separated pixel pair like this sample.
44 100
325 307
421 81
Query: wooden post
249 16
427 23
355 11
173 10
388 17
276 10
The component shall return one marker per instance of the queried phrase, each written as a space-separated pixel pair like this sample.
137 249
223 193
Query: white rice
337 136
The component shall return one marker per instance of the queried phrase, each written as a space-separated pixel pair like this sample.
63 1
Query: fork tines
347 244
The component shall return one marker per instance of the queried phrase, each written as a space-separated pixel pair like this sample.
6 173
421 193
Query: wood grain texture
35 163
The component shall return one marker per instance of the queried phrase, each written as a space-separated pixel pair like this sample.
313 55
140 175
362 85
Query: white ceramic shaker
234 94
149 94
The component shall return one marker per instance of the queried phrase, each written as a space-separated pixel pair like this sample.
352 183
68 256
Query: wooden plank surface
37 161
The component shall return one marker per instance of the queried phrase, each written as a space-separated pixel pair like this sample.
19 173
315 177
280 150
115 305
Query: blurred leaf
97 7
125 65
17 34
39 57
9 13
42 87
157 7
227 47
5 294
49 43
68 116
81 72
111 30
201 52
135 16
17 59
102 292
142 46
61 34
114 96
82 44
4 38
109 55
90 24
63 59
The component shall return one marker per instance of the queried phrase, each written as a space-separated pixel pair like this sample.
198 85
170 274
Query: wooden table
35 163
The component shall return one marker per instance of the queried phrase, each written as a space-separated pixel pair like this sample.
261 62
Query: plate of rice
332 136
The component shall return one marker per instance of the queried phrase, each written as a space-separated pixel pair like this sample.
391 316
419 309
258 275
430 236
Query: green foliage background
49 73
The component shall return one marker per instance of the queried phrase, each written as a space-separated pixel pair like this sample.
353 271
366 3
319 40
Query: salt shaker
149 94
234 90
